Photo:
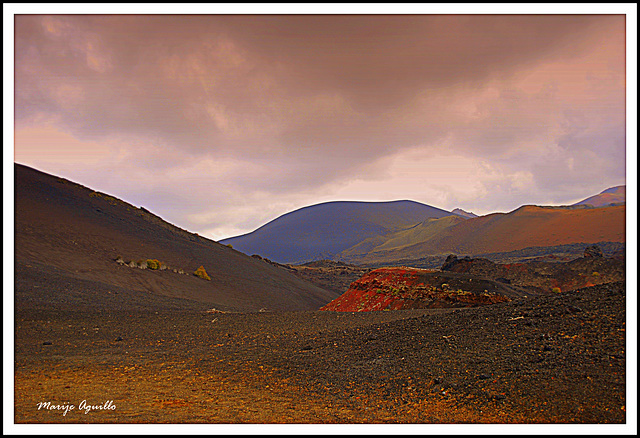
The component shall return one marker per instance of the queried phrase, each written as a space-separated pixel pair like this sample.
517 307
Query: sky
221 123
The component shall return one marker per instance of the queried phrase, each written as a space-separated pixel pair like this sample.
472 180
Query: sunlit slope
613 195
527 226
421 232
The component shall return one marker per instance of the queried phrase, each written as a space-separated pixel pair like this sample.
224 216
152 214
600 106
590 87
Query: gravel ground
549 359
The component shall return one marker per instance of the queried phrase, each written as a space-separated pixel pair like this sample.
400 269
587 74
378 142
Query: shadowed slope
79 233
323 230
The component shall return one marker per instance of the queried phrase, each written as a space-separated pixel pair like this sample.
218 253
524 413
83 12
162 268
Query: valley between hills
338 313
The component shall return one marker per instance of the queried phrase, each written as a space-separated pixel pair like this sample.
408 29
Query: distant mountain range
376 232
460 212
68 237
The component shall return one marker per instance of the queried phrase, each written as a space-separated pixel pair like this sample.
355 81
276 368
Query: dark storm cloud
288 104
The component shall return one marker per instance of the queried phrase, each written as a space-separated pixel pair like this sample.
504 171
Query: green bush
153 264
200 272
556 290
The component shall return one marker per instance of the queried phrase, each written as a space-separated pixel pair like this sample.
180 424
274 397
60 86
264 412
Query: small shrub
200 272
596 274
229 245
556 290
153 264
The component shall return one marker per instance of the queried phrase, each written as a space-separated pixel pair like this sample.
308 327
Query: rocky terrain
459 281
411 288
333 276
549 359
545 276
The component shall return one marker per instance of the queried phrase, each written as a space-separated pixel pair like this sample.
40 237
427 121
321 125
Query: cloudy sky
220 123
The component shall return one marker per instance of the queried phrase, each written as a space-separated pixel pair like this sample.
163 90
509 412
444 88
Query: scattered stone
593 251
119 338
449 262
574 309
47 343
483 377
547 348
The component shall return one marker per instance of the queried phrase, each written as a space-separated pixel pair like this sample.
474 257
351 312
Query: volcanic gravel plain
151 359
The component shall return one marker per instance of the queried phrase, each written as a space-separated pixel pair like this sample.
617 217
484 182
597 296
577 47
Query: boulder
593 251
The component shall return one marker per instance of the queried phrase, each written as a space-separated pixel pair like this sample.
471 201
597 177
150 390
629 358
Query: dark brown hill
72 235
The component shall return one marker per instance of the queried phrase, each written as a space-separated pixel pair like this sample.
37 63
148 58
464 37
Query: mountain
461 212
68 237
323 230
527 226
613 195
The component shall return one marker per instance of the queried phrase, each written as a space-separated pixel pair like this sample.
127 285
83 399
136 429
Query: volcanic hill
613 195
525 227
323 230
68 237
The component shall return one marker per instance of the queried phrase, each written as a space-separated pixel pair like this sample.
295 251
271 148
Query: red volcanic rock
412 288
